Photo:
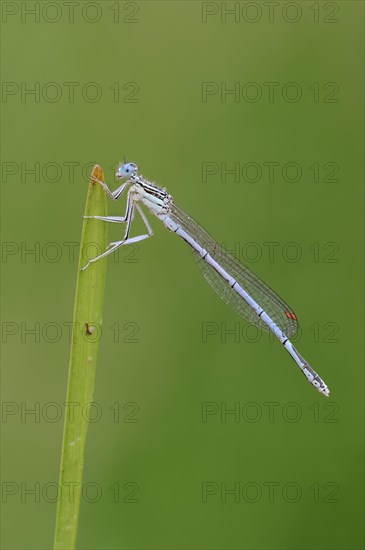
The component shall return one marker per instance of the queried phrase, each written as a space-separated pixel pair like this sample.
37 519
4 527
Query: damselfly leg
127 218
112 194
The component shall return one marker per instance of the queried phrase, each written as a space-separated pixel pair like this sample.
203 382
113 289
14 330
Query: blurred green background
163 454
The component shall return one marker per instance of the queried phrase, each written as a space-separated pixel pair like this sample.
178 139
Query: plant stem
83 358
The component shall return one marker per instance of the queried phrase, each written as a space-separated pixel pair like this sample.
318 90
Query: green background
308 448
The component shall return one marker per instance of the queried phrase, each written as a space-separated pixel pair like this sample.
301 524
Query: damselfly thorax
155 198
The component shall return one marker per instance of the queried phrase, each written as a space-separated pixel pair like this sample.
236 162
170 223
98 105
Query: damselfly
234 283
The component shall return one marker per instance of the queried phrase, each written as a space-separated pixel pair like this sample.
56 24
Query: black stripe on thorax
153 189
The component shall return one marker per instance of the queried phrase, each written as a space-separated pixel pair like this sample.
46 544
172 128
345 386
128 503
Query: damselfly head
127 170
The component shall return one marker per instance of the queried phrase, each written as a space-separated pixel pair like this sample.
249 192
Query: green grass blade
83 358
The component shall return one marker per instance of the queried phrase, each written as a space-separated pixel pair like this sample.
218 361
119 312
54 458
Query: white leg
112 194
115 219
129 215
114 246
144 218
129 222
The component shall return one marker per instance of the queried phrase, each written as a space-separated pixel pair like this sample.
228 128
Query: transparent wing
272 304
